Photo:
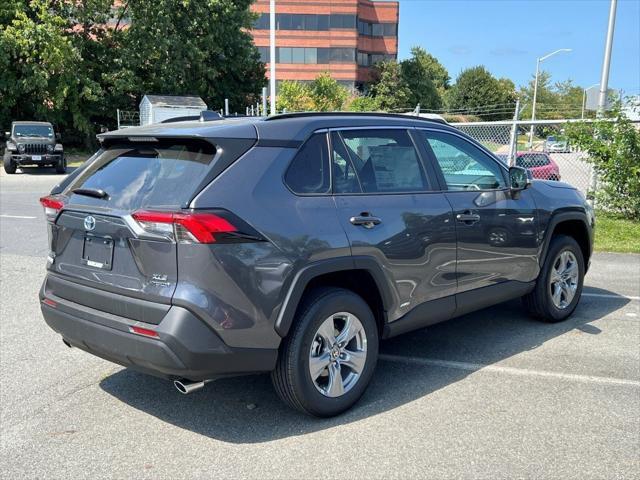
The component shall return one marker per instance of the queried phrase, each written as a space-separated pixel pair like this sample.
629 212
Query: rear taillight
52 206
190 227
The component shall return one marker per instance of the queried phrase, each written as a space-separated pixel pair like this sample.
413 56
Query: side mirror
519 178
7 134
58 136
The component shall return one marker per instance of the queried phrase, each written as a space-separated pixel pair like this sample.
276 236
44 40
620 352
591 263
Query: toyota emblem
89 223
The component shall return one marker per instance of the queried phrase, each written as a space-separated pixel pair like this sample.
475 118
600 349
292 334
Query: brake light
184 227
52 206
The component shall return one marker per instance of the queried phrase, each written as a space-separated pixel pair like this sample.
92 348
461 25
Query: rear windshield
162 175
532 160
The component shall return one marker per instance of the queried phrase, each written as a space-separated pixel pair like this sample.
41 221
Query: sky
507 36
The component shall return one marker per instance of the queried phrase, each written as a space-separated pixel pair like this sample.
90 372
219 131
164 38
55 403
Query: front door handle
366 221
468 218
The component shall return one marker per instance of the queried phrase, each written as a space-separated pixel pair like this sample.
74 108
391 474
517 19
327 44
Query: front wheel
327 360
559 284
9 165
61 166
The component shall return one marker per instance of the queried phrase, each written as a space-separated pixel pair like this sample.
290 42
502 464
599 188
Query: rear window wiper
91 192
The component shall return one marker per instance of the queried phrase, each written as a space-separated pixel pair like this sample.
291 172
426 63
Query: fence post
118 111
264 101
513 141
226 107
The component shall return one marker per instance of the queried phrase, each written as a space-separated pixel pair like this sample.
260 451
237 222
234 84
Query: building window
310 55
366 59
339 20
312 22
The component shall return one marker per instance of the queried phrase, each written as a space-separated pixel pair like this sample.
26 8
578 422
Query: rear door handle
365 221
468 218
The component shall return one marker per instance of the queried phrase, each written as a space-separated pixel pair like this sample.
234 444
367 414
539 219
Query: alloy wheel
338 354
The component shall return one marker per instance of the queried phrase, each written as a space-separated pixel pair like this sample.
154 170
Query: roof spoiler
205 116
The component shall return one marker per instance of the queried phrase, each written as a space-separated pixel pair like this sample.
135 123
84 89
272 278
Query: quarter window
376 161
464 166
309 170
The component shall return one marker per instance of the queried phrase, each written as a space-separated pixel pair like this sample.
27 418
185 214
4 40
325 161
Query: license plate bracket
97 252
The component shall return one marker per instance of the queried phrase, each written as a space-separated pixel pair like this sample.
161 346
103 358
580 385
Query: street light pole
535 88
584 98
272 56
604 79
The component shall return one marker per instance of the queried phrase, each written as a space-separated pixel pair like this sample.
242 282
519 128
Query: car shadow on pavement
247 410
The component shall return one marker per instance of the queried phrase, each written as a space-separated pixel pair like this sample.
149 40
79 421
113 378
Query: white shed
156 108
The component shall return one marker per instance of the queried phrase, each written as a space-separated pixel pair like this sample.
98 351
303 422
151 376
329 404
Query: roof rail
404 116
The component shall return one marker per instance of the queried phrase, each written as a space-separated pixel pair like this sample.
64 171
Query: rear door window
384 161
159 175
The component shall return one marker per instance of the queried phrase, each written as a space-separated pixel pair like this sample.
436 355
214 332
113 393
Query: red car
540 164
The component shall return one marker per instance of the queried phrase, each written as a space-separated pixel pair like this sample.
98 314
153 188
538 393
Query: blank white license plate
36 157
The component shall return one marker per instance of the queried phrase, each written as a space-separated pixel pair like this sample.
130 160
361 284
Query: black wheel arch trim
306 274
558 218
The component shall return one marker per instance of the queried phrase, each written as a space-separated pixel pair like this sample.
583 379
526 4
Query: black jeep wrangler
33 143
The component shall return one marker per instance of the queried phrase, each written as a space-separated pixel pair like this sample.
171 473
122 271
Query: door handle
366 221
468 218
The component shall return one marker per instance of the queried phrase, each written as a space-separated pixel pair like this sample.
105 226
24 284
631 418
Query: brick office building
342 37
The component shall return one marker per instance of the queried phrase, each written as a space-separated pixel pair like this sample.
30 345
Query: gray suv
294 244
33 143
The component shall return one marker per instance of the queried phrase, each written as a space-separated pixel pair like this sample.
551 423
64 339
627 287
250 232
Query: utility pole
272 55
513 144
606 63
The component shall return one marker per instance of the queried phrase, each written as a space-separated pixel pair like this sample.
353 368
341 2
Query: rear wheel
327 360
9 165
61 166
559 285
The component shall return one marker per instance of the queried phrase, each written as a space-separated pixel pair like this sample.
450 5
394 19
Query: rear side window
309 170
385 161
159 175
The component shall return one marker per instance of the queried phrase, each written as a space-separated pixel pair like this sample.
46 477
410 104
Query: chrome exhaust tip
186 387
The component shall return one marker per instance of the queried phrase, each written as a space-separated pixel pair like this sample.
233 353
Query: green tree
613 147
41 74
388 87
327 94
426 79
74 63
294 97
477 92
363 103
196 47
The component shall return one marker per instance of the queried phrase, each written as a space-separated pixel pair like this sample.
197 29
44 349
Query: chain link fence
539 146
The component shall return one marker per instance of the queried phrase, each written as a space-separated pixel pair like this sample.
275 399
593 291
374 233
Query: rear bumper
185 346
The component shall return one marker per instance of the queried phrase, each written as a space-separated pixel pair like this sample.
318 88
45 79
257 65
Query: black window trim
440 176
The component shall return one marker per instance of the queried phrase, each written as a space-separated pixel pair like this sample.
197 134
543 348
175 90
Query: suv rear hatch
114 228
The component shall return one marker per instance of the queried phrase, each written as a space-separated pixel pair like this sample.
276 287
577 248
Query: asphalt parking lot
492 394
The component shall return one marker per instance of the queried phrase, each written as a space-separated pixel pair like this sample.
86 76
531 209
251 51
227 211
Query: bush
613 146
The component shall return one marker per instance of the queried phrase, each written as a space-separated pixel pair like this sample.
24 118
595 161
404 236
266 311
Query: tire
61 166
9 165
540 302
292 377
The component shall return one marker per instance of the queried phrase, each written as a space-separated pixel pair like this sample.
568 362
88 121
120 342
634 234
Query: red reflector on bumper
50 302
145 332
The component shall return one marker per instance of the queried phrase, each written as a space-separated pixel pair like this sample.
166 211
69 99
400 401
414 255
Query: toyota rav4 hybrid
33 143
294 244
